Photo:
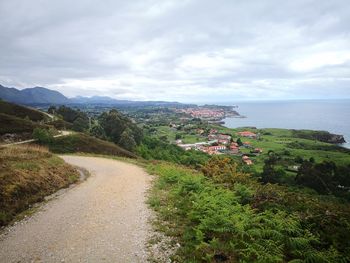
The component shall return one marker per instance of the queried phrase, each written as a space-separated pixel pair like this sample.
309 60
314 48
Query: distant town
210 112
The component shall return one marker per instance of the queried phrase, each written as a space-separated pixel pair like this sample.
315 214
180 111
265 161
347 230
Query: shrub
225 170
43 136
214 223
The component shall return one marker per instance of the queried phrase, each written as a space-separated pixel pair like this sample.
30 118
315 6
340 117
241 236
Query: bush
155 149
43 136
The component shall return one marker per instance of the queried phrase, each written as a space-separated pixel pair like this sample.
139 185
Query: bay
326 115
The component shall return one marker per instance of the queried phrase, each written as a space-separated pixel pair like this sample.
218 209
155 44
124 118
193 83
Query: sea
326 115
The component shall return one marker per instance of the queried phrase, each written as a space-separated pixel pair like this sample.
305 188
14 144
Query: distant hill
104 100
95 100
21 111
44 96
36 95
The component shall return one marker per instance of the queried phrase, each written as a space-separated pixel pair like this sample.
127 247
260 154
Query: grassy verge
27 175
232 218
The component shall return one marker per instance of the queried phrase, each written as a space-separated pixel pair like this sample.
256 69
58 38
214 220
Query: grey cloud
185 50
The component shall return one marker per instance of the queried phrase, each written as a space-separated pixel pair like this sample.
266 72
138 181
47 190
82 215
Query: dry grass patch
27 175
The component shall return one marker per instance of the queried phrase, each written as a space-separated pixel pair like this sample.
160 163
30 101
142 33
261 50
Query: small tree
42 136
52 110
270 174
98 132
127 141
80 124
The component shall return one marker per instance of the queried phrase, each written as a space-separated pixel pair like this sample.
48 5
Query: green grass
186 138
27 165
281 141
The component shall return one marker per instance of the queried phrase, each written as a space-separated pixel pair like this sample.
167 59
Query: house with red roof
234 149
247 134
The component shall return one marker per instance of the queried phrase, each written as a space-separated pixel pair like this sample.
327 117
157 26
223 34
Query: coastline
345 144
325 115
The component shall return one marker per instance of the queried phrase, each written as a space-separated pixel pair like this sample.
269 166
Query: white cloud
319 60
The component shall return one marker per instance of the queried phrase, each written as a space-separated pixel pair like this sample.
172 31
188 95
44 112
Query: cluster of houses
205 113
219 143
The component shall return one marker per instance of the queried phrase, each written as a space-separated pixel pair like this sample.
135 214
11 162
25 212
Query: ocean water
327 115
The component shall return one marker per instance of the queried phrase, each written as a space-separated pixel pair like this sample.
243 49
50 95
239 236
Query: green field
280 141
186 137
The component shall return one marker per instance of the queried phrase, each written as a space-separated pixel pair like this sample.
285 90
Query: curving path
104 219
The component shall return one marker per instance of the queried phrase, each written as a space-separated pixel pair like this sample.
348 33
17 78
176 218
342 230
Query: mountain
95 100
36 95
44 96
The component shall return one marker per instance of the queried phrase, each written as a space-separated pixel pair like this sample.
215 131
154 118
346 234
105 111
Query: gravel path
103 219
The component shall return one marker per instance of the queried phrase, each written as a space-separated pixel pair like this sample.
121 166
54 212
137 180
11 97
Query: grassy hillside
80 142
21 111
224 215
27 175
12 124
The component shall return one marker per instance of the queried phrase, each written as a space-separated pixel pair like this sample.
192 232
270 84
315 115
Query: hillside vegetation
17 122
224 215
27 175
12 124
21 111
83 143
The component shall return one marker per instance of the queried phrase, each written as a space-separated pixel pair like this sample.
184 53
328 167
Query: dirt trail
61 133
104 219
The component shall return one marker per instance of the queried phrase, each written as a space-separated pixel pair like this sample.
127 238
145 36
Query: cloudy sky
183 50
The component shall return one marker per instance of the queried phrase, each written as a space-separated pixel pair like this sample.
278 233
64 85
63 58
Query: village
209 112
204 113
219 143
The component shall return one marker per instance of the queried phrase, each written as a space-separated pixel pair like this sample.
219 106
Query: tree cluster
119 129
325 178
79 119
